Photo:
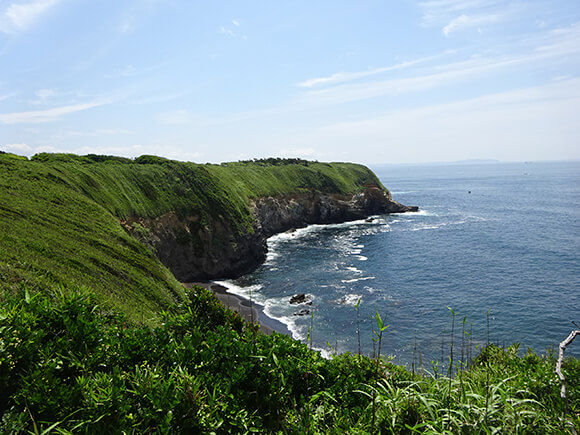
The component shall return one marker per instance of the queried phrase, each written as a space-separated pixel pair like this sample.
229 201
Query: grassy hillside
59 216
97 336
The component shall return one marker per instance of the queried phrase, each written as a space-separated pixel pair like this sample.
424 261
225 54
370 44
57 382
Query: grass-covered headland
97 336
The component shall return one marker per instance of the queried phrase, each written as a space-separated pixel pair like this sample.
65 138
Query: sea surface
493 254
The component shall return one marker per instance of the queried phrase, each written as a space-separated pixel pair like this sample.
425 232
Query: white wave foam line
349 299
362 258
250 292
297 332
416 214
357 279
427 227
439 225
354 269
271 256
324 353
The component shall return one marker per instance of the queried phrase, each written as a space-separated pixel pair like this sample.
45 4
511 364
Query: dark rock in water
369 219
299 298
304 312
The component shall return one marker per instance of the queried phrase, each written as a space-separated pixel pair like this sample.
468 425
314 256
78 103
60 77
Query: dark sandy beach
250 311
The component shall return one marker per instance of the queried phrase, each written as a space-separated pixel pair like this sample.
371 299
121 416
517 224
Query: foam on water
460 250
357 279
349 299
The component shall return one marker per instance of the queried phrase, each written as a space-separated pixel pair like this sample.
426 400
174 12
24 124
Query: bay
494 254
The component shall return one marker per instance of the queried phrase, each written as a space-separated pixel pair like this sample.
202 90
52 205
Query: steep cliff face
193 251
278 214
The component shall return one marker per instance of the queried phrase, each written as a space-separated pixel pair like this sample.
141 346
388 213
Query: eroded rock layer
193 251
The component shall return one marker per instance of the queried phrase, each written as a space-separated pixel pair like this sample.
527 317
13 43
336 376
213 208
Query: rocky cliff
194 252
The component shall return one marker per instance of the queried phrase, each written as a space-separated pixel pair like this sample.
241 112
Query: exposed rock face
196 252
276 215
193 251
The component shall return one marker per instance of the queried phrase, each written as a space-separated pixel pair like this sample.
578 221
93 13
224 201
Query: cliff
222 249
119 226
217 250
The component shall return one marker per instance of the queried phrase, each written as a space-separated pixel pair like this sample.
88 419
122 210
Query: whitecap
349 299
357 279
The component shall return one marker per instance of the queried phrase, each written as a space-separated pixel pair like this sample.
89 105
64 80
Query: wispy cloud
489 125
226 31
343 77
20 16
16 147
8 96
437 12
49 115
456 15
468 21
43 96
556 45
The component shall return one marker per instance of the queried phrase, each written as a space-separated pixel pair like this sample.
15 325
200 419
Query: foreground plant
71 365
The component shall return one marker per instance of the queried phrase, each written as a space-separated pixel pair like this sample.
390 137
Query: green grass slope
52 234
59 216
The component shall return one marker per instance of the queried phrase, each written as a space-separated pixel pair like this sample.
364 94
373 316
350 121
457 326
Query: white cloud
236 23
468 21
49 115
20 16
225 31
43 95
560 45
16 148
8 96
439 12
342 77
532 123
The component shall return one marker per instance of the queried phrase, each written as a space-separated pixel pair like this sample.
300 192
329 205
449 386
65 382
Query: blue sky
367 81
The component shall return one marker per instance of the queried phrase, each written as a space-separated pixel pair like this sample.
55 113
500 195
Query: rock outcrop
279 214
193 251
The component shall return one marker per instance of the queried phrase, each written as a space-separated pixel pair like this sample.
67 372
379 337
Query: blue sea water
497 243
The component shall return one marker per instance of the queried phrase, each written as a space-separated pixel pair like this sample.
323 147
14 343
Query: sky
369 81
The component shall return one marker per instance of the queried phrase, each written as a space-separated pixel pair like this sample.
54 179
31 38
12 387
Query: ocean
493 254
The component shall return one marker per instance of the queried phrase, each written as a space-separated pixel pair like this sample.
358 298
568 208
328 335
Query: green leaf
380 323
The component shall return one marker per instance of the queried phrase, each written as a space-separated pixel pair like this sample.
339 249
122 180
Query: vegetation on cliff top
97 336
60 213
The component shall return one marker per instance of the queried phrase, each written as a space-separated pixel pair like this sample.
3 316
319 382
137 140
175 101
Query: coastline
249 310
